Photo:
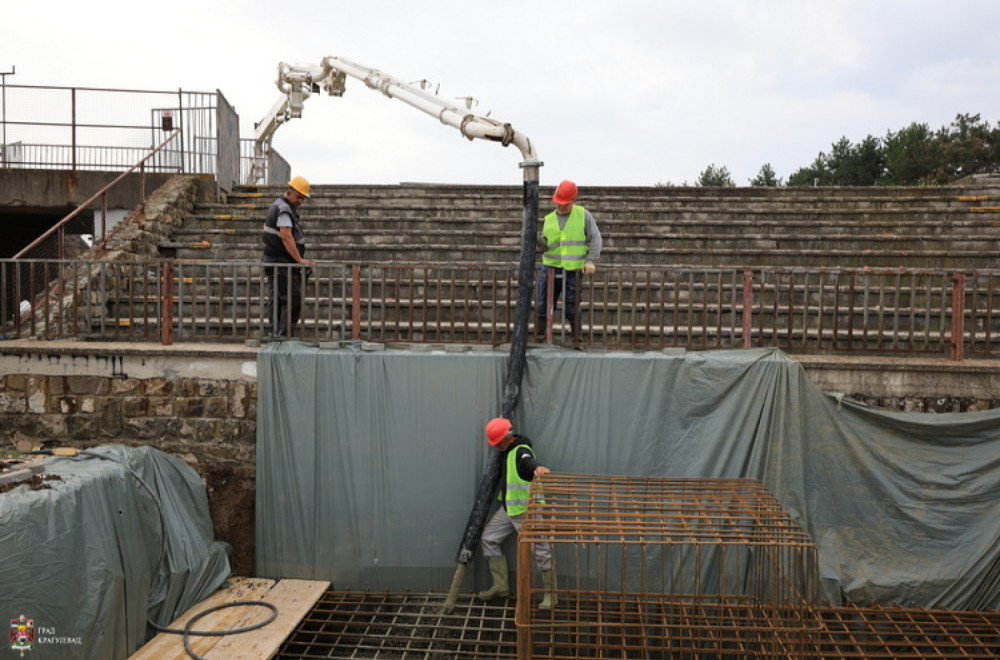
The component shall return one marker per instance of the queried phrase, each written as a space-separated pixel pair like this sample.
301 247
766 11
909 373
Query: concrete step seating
942 228
932 227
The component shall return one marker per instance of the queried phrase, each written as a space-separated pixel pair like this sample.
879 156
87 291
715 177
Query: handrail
836 311
102 193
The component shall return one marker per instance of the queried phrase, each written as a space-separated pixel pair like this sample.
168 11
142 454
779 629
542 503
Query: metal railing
91 219
108 130
276 170
829 311
85 128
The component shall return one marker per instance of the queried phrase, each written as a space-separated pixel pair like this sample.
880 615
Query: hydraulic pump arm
298 82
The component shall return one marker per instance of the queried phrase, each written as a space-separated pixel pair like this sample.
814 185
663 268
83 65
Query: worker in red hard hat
571 245
519 469
284 243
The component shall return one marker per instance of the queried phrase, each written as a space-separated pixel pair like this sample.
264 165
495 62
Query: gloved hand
589 268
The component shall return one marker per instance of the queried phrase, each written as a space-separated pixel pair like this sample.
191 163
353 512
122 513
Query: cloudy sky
623 92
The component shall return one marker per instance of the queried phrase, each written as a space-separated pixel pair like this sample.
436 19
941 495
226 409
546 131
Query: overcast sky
622 92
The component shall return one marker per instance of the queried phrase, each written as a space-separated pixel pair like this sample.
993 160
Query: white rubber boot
500 588
549 600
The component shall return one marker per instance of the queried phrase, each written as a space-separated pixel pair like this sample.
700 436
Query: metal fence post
167 303
747 308
550 302
73 126
957 316
356 302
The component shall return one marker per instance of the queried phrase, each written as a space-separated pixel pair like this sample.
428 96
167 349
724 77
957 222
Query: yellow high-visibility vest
566 248
517 490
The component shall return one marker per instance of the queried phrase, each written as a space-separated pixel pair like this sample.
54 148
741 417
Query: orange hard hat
565 193
496 430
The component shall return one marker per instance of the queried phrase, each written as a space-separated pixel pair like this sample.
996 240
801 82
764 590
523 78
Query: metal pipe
469 123
3 114
295 83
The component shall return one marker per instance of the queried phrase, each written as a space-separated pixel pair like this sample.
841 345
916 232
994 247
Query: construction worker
571 244
519 469
284 243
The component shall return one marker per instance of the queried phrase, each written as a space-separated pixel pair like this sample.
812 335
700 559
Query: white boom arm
298 82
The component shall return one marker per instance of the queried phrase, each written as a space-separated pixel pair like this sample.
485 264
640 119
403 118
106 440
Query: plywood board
168 646
293 598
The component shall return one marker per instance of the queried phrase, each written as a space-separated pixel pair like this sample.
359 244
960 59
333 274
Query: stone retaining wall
217 417
81 399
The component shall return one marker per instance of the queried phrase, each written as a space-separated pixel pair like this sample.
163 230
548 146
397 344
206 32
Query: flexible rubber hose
490 478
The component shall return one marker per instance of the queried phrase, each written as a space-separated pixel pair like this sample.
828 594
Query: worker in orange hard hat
284 243
571 245
519 469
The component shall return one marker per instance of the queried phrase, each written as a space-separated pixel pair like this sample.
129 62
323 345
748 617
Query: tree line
912 156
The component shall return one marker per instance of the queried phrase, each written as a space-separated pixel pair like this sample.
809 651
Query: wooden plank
293 598
168 646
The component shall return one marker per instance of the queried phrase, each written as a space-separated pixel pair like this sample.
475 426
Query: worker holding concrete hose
519 469
284 243
571 244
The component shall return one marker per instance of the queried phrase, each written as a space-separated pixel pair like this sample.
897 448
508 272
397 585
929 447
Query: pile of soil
34 482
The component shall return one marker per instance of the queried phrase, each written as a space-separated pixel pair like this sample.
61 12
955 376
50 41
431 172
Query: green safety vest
516 501
567 248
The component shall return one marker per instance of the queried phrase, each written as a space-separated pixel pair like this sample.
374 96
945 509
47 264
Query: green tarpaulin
368 461
94 553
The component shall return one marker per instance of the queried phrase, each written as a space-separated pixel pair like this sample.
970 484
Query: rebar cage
648 567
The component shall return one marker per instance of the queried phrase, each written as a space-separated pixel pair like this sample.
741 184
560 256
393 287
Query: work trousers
499 528
284 298
571 280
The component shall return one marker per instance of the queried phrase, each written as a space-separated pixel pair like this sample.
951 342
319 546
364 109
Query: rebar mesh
406 626
896 632
398 626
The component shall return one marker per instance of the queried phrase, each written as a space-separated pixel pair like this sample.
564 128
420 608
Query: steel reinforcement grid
408 626
646 568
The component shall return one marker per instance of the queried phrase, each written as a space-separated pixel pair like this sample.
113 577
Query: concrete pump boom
296 84
299 82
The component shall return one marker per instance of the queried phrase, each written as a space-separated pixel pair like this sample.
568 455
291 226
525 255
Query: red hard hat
565 193
496 430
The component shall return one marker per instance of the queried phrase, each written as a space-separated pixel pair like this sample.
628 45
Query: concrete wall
64 188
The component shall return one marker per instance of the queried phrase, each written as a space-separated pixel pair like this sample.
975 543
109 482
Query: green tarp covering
368 461
89 557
